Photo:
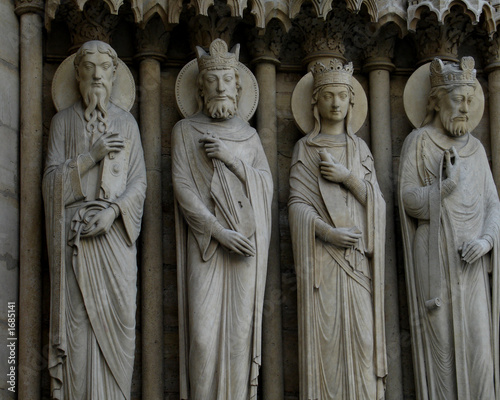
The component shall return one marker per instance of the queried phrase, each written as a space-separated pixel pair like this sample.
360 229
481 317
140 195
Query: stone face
450 221
94 187
337 225
223 186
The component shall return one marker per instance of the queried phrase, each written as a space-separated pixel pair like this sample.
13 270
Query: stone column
267 126
151 52
379 69
492 52
30 240
493 71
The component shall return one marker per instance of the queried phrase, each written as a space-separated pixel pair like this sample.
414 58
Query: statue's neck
332 127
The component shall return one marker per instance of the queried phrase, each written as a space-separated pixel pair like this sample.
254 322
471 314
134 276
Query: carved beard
96 112
221 109
456 126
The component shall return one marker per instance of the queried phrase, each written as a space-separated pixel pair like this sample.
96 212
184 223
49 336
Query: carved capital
217 25
29 6
265 46
381 44
152 41
329 38
95 22
435 40
491 50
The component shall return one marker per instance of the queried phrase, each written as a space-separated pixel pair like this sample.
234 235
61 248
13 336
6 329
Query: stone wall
9 173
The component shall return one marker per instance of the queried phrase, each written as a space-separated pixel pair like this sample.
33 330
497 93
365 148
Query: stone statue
450 216
337 223
94 187
223 189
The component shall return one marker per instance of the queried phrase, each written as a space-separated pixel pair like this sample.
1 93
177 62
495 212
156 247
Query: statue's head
218 80
333 94
453 87
95 66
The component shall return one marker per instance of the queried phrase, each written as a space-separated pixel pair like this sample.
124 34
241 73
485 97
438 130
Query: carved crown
335 72
452 73
219 57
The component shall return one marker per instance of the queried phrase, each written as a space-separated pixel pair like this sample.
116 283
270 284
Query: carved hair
435 95
201 77
317 118
92 47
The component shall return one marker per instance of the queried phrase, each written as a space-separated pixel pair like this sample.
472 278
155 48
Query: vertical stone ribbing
151 48
30 239
381 145
272 344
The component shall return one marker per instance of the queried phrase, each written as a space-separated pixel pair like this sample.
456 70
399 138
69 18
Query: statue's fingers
467 249
447 159
206 139
246 243
475 255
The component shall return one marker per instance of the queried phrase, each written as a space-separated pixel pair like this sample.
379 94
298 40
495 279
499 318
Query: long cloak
455 347
356 274
93 280
220 294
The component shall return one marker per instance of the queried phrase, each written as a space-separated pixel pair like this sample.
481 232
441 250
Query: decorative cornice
442 8
29 6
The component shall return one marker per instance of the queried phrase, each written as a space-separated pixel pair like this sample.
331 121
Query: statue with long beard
223 190
450 216
94 187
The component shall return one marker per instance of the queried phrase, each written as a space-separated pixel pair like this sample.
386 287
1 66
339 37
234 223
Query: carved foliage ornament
434 39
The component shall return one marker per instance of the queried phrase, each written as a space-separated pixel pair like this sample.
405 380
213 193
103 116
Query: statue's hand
216 148
100 223
343 237
452 164
474 250
332 170
236 242
107 143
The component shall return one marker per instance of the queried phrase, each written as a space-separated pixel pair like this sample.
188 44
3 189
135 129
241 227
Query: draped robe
340 291
93 279
221 294
455 346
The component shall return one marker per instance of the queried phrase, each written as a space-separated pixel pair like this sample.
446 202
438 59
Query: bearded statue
223 190
94 186
450 216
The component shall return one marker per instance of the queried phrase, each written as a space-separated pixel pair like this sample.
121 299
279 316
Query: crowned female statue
337 221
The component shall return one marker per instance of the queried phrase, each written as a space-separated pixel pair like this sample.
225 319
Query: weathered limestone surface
450 221
406 56
9 180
